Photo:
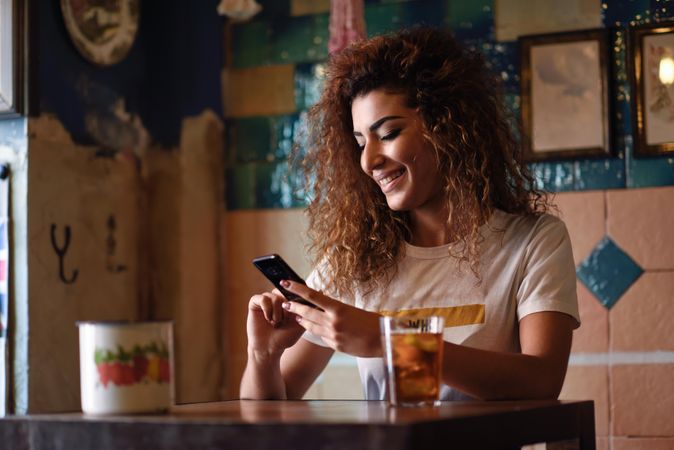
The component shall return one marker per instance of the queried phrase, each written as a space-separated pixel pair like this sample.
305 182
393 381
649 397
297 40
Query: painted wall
618 209
119 175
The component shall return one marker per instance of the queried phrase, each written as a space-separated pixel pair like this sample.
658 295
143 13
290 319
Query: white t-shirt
526 266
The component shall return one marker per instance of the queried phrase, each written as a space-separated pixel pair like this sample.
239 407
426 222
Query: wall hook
61 252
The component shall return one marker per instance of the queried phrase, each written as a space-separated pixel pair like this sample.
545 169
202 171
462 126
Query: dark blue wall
172 71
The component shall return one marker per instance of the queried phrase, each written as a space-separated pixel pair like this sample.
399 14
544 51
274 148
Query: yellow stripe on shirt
455 316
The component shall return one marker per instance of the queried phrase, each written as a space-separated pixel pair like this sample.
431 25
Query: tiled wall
276 62
618 209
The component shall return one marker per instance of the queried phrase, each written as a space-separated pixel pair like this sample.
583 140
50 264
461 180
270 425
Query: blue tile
650 172
608 272
662 10
308 84
471 19
502 58
553 176
625 12
599 174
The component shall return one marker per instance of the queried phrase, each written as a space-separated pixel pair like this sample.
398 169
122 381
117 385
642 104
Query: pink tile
642 319
641 221
589 383
602 443
620 443
592 335
584 215
642 400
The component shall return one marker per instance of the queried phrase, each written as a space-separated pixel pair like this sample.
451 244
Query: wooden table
323 424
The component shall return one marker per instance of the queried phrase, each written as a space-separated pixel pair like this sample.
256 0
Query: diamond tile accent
608 272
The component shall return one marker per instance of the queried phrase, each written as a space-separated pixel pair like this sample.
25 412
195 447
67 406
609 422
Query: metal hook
61 252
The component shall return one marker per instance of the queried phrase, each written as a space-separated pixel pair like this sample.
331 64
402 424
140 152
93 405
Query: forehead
370 107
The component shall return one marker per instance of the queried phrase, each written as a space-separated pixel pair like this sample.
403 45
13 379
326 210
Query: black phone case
276 269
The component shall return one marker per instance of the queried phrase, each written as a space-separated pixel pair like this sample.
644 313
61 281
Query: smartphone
276 269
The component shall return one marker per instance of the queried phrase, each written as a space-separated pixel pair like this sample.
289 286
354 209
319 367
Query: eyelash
389 137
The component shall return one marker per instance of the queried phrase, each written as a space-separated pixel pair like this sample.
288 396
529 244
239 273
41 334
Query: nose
371 156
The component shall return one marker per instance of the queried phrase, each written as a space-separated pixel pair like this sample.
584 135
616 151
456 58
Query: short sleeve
548 271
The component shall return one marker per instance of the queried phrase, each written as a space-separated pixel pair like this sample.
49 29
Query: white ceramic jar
126 367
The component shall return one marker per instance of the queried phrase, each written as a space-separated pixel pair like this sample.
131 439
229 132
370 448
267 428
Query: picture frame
652 76
565 108
12 73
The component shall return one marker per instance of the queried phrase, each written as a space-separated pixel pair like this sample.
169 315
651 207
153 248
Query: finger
277 312
265 302
305 311
313 296
316 329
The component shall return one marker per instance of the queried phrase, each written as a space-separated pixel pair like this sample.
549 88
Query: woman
422 204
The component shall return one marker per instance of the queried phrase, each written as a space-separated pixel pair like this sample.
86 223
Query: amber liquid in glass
416 365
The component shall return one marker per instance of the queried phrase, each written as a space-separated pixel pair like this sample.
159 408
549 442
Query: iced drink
413 359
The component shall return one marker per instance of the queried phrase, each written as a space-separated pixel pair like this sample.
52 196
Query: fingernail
285 283
298 319
286 305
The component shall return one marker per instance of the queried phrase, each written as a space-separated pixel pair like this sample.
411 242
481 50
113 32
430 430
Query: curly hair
353 232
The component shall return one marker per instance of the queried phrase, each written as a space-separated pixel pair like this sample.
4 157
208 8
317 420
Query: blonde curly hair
353 232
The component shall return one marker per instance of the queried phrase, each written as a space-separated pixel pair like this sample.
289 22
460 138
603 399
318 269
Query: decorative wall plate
103 30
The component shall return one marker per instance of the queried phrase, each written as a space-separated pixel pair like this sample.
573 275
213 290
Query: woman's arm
537 372
280 364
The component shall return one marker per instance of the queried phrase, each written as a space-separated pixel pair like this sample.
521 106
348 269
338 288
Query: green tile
249 139
274 8
471 19
381 19
240 187
250 44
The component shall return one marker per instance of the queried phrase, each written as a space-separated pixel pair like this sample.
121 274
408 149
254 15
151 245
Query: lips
387 182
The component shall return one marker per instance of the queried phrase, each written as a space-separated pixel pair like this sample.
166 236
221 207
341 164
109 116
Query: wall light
666 72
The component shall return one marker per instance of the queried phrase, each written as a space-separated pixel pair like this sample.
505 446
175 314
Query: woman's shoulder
526 224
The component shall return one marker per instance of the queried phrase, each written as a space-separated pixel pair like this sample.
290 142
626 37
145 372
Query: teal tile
608 272
599 174
275 186
299 39
240 187
308 84
282 136
650 172
430 12
553 176
250 44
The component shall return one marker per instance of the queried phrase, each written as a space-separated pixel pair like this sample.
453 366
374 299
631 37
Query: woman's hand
270 328
343 327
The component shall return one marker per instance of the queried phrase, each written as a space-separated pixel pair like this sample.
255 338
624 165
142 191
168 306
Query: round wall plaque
103 30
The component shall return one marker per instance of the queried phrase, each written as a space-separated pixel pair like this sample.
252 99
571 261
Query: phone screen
276 269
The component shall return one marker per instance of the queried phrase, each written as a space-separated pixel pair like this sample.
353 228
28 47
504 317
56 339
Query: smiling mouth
387 180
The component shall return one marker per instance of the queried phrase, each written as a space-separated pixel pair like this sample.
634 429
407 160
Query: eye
391 135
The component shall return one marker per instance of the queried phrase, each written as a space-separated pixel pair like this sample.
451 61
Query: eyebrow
378 124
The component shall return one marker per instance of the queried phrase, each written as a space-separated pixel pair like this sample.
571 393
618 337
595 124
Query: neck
429 229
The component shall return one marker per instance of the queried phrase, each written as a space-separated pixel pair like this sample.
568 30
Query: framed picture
564 95
652 56
11 58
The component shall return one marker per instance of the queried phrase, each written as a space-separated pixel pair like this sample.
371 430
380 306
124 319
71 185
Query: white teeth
388 179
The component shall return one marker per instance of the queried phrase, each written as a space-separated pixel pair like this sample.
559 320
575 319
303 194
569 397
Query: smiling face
394 153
